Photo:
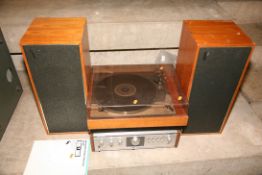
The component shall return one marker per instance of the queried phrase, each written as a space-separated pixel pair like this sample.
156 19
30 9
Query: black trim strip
119 50
136 49
16 53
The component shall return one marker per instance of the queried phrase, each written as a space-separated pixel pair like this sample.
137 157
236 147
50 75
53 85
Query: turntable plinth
150 97
138 122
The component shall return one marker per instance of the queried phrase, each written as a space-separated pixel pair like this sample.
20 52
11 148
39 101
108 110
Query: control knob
120 141
169 139
135 141
101 143
111 142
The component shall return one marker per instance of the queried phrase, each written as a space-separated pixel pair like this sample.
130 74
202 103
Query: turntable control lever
160 79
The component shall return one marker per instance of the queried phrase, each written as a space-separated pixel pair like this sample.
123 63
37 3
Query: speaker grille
217 74
56 72
10 87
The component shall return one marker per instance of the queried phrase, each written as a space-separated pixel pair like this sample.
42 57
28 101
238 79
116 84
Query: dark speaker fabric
56 72
10 86
217 74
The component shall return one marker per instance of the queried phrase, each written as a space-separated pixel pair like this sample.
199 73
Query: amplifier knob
111 143
135 141
120 141
169 139
101 143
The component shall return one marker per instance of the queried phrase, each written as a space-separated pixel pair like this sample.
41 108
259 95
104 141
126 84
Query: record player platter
128 96
125 92
129 91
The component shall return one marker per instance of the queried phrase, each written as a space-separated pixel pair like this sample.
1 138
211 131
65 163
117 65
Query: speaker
10 86
212 60
54 51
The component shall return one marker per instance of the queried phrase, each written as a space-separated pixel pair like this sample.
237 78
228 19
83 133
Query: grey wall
123 24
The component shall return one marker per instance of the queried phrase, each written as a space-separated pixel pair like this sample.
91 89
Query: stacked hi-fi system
135 106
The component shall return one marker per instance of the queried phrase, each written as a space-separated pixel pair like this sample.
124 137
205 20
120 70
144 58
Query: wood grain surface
197 34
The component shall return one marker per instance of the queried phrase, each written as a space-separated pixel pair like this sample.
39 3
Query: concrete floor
122 24
239 147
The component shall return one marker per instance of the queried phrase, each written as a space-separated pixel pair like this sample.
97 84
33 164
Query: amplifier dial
135 141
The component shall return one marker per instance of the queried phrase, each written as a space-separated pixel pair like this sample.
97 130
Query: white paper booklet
55 157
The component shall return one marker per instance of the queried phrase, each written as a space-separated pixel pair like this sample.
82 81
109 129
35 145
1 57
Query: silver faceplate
126 140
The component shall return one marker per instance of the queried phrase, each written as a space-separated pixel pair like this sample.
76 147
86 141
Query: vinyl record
124 92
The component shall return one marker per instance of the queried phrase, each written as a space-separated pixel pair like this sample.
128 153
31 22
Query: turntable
133 102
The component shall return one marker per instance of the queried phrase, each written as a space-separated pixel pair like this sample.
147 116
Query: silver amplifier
120 140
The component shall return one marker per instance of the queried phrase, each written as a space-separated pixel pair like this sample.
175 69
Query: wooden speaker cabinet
10 86
212 60
55 52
